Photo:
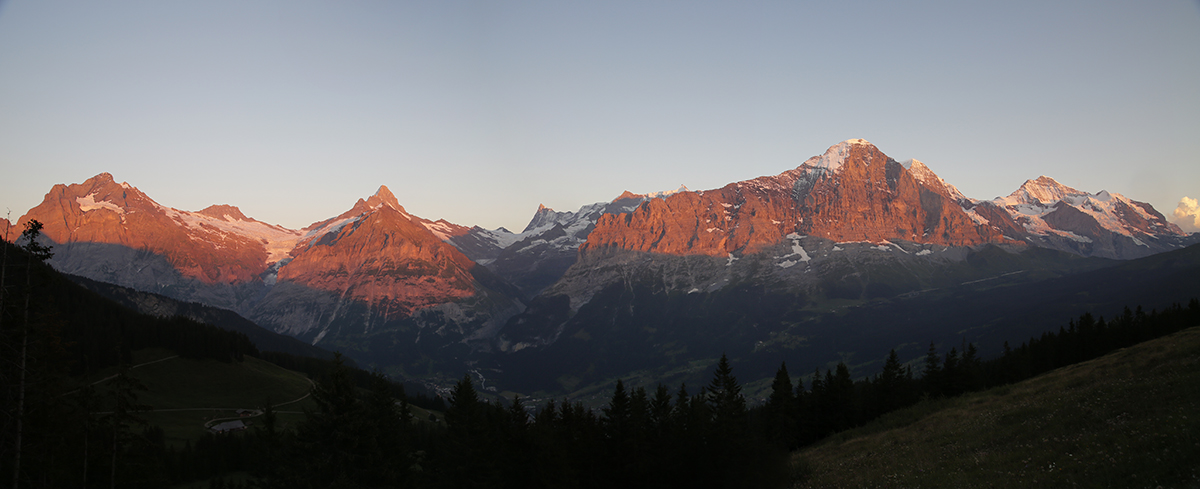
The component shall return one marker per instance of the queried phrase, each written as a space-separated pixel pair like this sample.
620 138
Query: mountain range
748 262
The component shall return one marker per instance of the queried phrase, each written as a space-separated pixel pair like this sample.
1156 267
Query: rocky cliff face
851 193
217 245
113 232
373 268
374 264
381 257
850 224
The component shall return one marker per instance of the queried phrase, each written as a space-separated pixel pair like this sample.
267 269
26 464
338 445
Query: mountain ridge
395 289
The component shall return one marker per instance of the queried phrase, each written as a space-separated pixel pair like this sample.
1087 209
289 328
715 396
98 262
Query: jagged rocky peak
545 216
384 196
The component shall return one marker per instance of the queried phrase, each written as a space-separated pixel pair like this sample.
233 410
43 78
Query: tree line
798 416
641 438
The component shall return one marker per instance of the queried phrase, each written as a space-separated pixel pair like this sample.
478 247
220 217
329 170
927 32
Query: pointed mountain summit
384 196
374 269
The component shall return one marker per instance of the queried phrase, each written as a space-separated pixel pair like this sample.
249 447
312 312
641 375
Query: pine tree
843 404
891 384
660 409
780 409
725 396
331 436
952 374
932 375
617 414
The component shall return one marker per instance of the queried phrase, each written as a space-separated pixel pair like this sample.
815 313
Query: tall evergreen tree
931 377
725 396
891 385
331 434
618 412
779 412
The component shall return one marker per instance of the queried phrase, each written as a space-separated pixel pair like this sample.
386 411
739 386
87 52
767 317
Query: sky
477 112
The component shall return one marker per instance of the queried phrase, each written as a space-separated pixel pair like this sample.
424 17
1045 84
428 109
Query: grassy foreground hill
185 394
1128 419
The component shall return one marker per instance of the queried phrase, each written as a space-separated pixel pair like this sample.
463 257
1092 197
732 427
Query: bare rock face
851 193
373 267
383 258
200 246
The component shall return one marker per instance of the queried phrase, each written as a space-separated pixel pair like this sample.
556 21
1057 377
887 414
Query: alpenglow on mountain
418 296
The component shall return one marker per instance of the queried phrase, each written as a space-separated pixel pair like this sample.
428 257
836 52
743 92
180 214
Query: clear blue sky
476 112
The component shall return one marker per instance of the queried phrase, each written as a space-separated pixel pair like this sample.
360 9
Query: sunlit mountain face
394 289
851 193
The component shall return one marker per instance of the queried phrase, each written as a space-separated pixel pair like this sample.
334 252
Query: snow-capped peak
926 176
1044 190
835 156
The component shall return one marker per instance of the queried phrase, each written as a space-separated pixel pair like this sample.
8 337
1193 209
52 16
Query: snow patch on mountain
923 174
834 157
797 251
1044 190
1029 205
278 241
88 203
439 229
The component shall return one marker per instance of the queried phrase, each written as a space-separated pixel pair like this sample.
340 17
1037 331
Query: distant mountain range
424 298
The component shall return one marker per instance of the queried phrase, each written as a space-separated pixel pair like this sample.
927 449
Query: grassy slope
1129 419
180 383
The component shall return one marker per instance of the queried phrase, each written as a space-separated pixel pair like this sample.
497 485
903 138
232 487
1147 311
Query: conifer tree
932 375
891 384
779 411
617 413
660 408
725 395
